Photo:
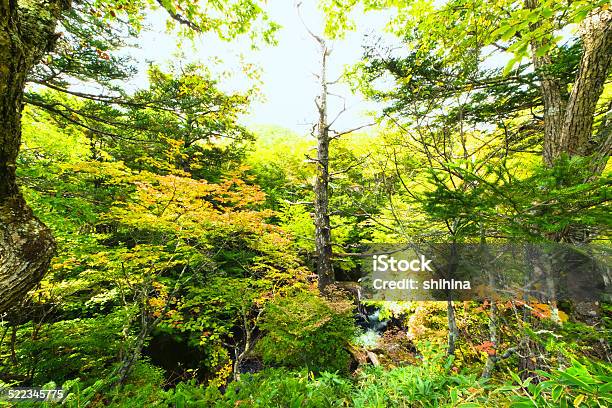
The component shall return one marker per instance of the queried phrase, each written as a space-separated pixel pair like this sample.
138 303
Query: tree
182 121
26 245
568 120
325 134
27 33
533 30
553 102
474 124
323 239
128 237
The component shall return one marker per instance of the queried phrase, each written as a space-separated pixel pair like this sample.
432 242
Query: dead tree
324 134
323 239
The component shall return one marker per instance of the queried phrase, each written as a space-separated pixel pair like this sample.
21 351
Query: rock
373 358
359 354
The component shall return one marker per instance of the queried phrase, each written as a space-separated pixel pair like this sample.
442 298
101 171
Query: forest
157 249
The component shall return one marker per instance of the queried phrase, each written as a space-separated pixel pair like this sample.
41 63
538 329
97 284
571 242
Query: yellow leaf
578 400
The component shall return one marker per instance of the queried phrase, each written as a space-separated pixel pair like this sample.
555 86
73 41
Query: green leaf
575 381
453 395
509 66
505 388
508 33
546 12
534 16
522 404
580 15
556 392
606 388
542 50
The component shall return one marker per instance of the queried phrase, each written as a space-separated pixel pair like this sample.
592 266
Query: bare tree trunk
249 330
453 330
568 122
323 237
551 285
27 31
577 129
493 338
491 358
554 103
323 240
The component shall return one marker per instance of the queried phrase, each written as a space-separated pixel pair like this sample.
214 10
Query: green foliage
417 387
144 388
441 27
429 384
297 220
130 236
565 196
175 221
82 347
175 113
277 160
305 330
426 385
588 385
282 388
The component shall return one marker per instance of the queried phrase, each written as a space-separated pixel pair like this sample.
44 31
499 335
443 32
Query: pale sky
288 86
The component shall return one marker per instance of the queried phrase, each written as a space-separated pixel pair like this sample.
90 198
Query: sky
288 85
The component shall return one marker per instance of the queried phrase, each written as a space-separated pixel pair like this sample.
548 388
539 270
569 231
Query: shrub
67 349
281 388
429 384
144 388
306 330
587 385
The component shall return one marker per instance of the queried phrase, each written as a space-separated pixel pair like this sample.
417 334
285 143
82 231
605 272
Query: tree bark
568 122
27 32
323 240
453 330
488 270
577 128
